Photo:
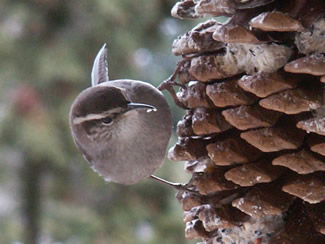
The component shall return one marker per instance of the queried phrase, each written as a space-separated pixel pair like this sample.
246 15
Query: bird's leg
172 92
171 79
177 186
170 82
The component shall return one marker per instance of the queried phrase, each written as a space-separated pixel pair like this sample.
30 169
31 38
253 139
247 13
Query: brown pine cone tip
184 126
212 182
275 21
235 34
316 125
254 173
228 93
302 162
232 151
317 144
250 117
310 188
257 204
253 135
294 101
194 96
198 40
313 64
265 84
273 139
322 79
205 122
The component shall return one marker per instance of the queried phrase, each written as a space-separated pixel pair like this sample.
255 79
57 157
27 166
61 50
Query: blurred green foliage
48 194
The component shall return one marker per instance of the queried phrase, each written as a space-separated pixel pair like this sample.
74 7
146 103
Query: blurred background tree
48 193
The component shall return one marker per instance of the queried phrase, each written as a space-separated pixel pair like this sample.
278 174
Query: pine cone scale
254 131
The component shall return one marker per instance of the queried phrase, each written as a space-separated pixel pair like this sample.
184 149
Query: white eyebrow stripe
79 120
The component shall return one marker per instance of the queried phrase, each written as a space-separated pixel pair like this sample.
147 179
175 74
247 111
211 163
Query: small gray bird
122 127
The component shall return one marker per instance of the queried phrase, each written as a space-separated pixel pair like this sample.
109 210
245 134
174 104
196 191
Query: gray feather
99 73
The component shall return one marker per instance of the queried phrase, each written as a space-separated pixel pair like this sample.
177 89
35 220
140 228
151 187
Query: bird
122 127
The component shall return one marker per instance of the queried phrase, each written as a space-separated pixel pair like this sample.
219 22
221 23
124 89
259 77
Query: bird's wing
99 72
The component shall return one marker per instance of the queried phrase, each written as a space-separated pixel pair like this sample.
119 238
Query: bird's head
98 112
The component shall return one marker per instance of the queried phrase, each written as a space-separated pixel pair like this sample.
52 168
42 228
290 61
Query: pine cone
254 132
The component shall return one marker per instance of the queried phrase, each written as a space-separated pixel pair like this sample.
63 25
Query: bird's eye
107 120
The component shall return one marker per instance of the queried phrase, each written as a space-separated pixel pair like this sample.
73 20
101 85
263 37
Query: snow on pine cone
253 134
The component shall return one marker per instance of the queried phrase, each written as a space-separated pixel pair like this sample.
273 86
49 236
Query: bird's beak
131 106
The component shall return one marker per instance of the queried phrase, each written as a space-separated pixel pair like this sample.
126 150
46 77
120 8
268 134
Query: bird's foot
177 186
169 86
